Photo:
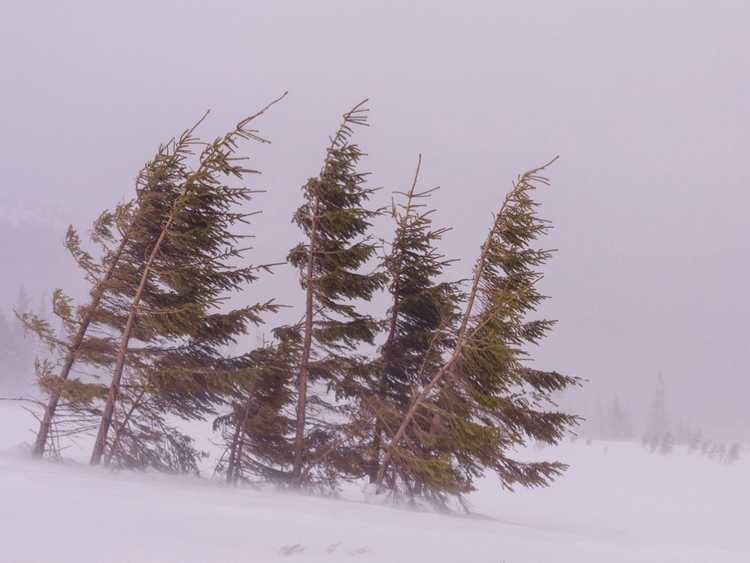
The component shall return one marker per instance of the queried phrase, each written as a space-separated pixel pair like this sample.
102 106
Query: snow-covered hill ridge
618 503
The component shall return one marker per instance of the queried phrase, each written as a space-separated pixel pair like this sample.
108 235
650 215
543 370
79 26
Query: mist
175 443
646 103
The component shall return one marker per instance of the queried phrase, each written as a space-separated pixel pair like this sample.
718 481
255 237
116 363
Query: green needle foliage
335 223
181 258
419 323
173 358
258 431
485 399
446 398
85 342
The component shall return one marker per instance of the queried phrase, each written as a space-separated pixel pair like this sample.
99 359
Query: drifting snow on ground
617 503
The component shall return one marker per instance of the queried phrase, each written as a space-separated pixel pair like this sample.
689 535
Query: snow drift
617 503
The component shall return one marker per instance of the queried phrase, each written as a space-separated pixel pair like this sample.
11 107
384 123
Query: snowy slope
616 504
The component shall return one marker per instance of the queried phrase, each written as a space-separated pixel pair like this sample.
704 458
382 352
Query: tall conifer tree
422 313
493 400
335 223
104 274
181 252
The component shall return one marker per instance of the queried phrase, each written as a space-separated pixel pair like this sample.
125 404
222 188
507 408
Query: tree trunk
377 439
232 454
114 388
240 443
119 429
49 412
235 452
304 372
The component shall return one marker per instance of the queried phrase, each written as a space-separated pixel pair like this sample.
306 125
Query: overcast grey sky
647 102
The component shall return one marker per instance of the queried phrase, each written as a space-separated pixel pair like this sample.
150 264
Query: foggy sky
646 102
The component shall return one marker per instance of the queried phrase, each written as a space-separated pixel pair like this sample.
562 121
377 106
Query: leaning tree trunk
122 427
49 412
114 388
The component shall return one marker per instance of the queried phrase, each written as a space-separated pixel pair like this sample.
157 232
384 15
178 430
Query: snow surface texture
617 503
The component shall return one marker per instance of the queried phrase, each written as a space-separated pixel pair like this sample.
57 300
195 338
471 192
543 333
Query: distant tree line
420 400
660 433
17 349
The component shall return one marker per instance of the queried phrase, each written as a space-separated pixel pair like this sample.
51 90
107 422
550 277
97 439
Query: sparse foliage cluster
421 400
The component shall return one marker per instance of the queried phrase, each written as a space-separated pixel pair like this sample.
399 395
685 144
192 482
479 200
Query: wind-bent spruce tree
258 431
181 252
491 400
335 223
422 313
111 231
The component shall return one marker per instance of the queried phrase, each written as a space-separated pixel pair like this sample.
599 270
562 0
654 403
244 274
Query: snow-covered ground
617 503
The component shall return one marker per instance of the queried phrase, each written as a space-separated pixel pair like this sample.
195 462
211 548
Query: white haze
648 104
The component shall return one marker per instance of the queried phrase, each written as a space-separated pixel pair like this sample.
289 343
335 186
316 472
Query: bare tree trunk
240 443
235 452
114 388
304 372
232 454
377 442
54 398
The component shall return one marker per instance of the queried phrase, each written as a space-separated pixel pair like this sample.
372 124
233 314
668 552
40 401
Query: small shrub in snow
733 455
